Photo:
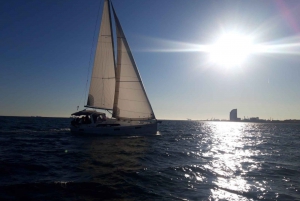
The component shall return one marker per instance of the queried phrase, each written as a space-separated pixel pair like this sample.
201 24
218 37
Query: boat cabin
88 117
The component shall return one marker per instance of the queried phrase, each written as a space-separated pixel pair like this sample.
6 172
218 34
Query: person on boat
87 120
81 121
94 116
104 117
99 119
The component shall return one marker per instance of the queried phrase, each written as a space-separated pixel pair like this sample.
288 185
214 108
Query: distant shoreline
240 121
271 122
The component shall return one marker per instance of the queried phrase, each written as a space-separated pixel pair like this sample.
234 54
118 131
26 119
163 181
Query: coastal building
233 115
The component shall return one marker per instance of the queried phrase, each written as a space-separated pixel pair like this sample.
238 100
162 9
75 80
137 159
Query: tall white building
233 115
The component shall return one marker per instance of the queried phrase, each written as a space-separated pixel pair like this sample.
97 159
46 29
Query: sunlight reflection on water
229 157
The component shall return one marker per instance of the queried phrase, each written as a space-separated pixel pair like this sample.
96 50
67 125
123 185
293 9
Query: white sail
131 101
102 86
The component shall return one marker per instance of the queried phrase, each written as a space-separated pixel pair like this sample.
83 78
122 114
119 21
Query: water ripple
189 160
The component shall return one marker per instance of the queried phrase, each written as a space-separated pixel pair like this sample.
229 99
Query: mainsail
131 101
102 87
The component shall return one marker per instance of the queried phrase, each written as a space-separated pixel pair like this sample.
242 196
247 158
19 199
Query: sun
231 49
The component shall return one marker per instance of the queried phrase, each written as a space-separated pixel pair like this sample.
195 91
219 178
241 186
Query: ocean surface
188 160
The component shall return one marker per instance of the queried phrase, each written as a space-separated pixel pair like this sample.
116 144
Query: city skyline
46 56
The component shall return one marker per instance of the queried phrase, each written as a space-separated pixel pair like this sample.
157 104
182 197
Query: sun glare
231 49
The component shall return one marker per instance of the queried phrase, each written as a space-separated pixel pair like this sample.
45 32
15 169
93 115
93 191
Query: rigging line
130 76
103 78
135 112
93 43
128 81
129 88
132 100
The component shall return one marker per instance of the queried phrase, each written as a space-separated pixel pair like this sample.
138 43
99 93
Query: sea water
188 160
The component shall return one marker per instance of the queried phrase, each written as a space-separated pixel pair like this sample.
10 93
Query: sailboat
116 87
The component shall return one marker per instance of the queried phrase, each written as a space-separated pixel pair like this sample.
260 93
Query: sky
47 49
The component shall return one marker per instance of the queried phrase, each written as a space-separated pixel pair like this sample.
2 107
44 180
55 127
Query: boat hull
126 130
